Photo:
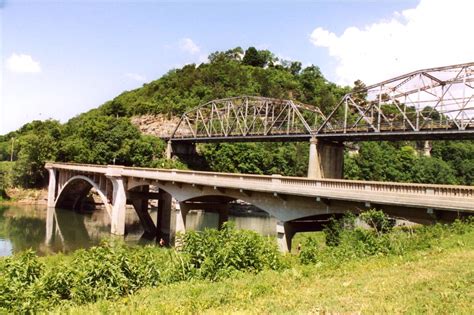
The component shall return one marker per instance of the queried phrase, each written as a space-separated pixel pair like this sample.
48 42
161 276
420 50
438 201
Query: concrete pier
326 159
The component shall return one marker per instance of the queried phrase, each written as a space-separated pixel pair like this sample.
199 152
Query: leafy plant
219 253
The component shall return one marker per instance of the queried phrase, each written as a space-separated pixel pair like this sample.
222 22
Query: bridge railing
386 187
267 182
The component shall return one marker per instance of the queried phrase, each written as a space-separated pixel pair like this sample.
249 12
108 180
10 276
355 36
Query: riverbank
421 269
439 280
23 196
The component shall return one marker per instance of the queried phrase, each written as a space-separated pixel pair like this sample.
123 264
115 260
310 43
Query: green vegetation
290 159
105 135
112 270
229 270
216 254
437 280
452 162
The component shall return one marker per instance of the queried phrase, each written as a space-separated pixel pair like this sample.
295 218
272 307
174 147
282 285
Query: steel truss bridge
428 104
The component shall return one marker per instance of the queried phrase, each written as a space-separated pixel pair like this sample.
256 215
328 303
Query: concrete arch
91 184
279 206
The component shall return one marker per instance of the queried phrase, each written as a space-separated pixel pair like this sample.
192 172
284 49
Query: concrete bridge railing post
119 199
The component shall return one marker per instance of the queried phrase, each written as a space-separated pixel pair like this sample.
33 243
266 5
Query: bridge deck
442 197
439 134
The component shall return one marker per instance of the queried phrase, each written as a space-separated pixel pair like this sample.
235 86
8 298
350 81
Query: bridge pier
165 222
141 208
187 153
326 159
285 234
169 150
52 186
119 200
171 218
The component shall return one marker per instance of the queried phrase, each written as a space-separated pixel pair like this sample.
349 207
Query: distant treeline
105 135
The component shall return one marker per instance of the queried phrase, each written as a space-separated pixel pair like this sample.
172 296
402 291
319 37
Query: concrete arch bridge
299 204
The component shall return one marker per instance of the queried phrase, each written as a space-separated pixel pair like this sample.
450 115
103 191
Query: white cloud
187 45
136 77
434 33
21 63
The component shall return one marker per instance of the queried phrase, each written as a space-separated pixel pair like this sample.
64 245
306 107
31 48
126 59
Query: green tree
433 171
34 151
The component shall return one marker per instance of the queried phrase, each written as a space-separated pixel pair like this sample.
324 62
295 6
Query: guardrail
269 181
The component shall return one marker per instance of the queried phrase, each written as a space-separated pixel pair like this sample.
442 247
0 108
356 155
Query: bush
218 253
18 277
377 220
344 242
114 269
309 252
335 228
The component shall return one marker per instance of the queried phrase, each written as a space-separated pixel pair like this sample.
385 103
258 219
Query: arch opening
211 211
75 195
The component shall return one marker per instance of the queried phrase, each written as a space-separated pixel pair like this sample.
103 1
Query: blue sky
60 58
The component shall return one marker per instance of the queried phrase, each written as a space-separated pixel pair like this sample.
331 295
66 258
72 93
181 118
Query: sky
61 58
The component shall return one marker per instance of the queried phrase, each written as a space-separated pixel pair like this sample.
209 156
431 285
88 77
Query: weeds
219 253
344 241
114 269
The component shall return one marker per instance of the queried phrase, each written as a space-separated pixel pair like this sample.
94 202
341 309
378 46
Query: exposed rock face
155 125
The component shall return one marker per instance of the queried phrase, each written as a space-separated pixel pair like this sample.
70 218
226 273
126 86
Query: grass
438 280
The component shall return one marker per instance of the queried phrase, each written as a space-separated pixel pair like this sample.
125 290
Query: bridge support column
285 234
49 225
51 186
180 218
169 150
119 200
165 223
141 208
326 160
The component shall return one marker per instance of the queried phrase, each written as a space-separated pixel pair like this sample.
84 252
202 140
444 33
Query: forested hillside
105 135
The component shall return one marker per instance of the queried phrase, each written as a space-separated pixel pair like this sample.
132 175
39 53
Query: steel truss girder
430 99
435 98
246 116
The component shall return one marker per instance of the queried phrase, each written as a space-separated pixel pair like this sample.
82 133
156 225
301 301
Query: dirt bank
26 196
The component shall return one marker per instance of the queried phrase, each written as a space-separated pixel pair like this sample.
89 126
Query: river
48 231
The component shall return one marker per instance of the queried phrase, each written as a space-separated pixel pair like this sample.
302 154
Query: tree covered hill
105 135
227 74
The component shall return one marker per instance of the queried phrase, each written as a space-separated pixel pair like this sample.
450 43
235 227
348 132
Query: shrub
335 228
218 253
18 275
345 242
377 220
309 252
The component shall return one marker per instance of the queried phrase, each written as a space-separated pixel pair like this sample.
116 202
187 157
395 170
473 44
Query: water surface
48 230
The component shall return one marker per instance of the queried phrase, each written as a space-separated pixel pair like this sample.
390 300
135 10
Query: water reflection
48 230
56 230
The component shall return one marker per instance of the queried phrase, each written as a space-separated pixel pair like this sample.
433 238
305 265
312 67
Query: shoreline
22 196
